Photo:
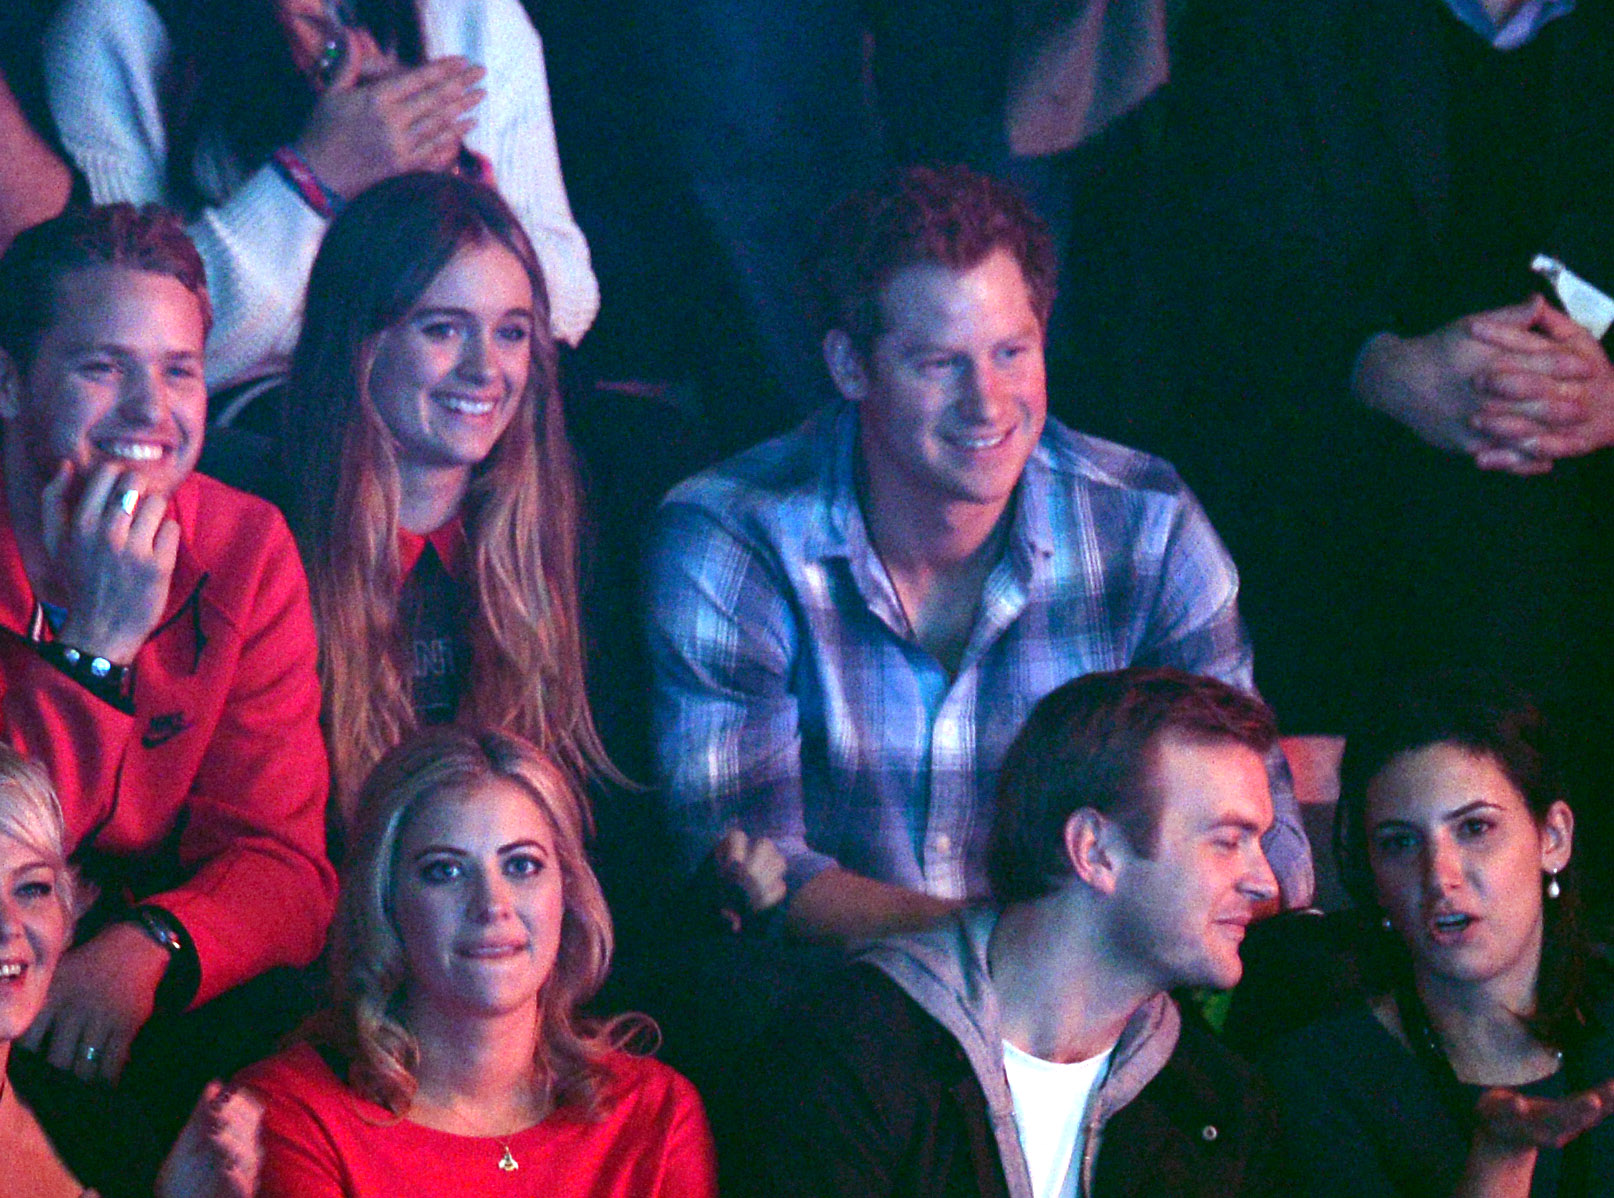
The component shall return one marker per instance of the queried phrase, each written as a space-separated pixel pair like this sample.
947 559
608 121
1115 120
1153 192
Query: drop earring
1553 889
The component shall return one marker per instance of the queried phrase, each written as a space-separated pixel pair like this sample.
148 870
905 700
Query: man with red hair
850 623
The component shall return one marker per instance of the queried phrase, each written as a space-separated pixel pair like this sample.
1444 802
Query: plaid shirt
791 699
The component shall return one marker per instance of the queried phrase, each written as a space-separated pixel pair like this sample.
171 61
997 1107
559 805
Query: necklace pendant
507 1162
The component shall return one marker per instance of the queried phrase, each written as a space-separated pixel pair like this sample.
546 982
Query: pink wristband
294 168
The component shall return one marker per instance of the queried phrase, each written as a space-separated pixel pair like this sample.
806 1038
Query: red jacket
215 788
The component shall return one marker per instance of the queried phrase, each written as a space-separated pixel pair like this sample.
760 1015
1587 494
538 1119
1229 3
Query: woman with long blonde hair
436 503
469 930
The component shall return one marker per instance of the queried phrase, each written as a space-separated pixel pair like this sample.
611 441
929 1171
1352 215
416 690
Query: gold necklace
507 1162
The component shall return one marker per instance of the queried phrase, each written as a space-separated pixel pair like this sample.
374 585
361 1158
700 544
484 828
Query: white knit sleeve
516 132
105 62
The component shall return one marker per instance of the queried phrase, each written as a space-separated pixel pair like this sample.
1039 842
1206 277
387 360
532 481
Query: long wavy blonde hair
369 968
521 513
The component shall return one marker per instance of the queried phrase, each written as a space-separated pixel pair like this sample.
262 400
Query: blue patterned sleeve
723 646
1197 628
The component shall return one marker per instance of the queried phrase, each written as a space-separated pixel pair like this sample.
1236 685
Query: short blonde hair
31 815
369 968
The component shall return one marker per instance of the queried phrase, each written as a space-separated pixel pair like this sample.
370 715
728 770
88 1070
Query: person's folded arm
516 131
728 740
840 906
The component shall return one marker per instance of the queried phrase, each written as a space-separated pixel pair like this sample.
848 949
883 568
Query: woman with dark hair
258 119
436 504
470 928
1489 1046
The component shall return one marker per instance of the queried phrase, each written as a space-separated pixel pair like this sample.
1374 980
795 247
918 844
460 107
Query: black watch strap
184 972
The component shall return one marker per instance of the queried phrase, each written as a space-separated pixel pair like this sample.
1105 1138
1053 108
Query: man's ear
10 387
846 369
1090 849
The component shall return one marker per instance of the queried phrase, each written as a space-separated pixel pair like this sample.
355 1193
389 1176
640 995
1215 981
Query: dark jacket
1320 180
861 1091
1363 1118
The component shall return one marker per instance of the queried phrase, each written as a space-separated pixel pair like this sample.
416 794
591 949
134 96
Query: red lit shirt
209 799
321 1140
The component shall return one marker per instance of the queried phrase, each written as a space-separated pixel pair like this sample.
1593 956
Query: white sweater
105 61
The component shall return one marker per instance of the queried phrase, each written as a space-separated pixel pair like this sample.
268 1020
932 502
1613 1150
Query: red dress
321 1139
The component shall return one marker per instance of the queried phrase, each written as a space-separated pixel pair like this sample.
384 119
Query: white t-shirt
1049 1102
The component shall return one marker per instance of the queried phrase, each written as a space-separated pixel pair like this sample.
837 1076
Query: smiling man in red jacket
157 648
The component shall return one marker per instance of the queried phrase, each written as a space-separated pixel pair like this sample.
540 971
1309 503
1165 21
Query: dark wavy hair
521 514
148 238
1491 718
233 78
947 215
1089 744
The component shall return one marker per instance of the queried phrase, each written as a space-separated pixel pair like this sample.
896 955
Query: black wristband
106 680
184 972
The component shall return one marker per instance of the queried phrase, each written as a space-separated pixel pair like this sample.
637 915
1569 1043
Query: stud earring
1553 889
1386 924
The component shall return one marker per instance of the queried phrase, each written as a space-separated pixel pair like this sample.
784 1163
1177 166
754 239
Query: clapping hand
371 123
220 1152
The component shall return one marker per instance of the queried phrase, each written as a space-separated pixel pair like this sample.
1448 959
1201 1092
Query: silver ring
90 1051
128 500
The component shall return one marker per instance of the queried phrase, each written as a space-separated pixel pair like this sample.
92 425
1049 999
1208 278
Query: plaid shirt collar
844 533
1518 29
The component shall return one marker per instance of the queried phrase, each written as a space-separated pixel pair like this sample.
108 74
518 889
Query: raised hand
1513 1120
220 1152
368 125
1510 1129
112 557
